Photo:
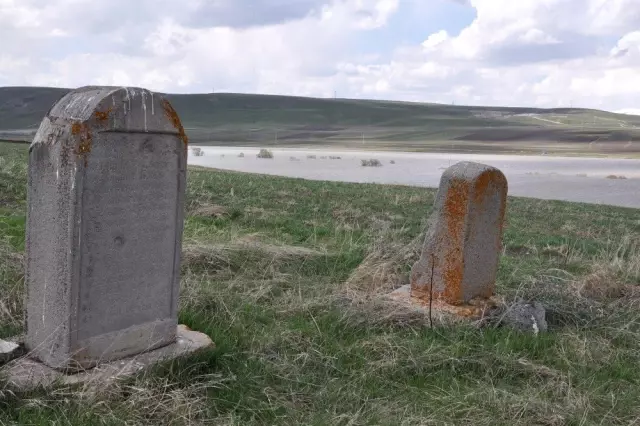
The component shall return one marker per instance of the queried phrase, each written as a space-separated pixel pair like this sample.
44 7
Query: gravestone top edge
80 104
469 170
91 109
467 173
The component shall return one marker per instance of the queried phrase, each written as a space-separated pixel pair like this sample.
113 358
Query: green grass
285 275
260 120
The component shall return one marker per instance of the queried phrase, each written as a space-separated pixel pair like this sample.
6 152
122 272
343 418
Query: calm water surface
553 178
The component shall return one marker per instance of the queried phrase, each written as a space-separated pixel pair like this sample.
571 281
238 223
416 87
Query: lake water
553 178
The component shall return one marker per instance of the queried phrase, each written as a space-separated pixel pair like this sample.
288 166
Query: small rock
528 317
212 210
9 351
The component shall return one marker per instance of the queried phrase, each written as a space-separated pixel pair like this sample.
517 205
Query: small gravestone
457 269
459 259
106 188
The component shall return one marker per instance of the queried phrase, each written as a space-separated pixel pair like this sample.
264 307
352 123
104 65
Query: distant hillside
241 119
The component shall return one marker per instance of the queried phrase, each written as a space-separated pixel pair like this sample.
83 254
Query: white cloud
536 36
630 111
172 55
628 46
525 52
435 39
539 53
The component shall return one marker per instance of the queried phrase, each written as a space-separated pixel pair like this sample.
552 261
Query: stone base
476 309
26 374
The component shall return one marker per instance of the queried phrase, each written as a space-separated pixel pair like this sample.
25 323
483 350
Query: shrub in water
371 163
265 153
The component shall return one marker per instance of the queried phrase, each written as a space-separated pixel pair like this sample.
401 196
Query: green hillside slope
242 119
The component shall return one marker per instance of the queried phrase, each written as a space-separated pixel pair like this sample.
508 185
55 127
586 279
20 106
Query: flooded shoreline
609 181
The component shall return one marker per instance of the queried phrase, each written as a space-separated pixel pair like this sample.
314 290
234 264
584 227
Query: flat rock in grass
477 309
214 211
526 317
9 351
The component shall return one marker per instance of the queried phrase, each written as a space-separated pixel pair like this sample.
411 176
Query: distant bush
197 152
616 177
241 155
392 162
265 153
311 157
374 162
293 159
333 157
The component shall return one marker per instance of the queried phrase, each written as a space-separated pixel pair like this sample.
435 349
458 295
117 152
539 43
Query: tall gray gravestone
106 188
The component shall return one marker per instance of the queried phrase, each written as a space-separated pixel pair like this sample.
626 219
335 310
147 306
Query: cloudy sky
484 52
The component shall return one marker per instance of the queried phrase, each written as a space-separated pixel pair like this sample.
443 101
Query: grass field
231 119
285 276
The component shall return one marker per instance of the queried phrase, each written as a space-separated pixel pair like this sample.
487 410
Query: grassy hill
252 120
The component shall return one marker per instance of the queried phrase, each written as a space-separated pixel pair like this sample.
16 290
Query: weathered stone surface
462 246
107 172
27 373
527 317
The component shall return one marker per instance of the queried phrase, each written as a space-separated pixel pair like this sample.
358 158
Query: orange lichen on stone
482 185
76 128
83 132
84 147
102 116
455 211
172 115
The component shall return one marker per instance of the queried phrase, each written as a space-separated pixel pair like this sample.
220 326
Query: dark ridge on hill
246 119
